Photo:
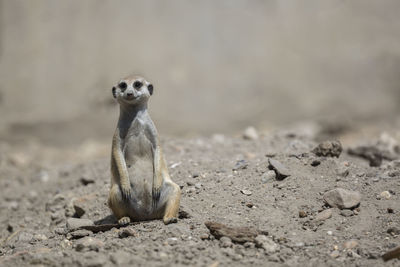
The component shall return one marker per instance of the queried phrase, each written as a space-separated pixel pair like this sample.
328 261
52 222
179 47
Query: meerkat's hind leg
118 205
172 197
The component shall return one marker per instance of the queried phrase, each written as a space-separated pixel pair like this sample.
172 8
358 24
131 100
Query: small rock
329 232
89 243
302 214
19 160
13 205
195 175
267 244
25 237
324 215
342 198
328 149
75 223
56 203
240 164
172 241
79 208
385 194
204 236
225 242
86 180
39 237
126 232
268 176
350 244
393 231
250 205
346 213
390 210
250 134
343 170
198 185
280 170
80 233
315 163
43 176
218 138
335 254
246 192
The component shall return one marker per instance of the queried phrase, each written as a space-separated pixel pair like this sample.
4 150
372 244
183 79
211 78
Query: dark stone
328 149
281 171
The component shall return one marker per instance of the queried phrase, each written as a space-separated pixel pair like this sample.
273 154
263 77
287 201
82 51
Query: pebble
79 208
250 133
335 254
25 237
280 170
225 242
246 192
346 213
80 233
89 243
40 237
315 163
329 232
328 149
172 241
302 214
127 232
198 185
43 176
324 215
86 180
393 231
385 194
342 198
266 243
350 244
218 138
268 176
75 223
240 164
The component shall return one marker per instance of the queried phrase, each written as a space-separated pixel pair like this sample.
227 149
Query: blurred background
217 66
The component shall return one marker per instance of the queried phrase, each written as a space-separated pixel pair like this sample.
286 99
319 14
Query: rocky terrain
276 198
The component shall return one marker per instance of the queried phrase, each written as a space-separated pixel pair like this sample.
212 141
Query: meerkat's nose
129 93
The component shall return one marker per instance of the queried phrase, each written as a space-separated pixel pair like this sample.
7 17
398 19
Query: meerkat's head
132 90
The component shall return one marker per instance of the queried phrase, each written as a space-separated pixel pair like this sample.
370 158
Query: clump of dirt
225 180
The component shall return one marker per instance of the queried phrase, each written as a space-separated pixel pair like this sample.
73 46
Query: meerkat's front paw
124 221
126 191
170 220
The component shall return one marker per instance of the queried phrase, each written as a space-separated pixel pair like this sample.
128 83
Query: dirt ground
224 179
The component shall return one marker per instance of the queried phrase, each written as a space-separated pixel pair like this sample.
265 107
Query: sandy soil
223 179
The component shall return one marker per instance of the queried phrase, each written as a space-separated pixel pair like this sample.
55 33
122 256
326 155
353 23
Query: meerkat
141 188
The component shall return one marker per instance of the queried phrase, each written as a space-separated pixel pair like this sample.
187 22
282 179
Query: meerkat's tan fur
141 188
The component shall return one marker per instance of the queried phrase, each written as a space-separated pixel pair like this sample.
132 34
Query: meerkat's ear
150 87
114 92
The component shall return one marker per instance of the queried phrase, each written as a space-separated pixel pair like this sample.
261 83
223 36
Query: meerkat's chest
137 146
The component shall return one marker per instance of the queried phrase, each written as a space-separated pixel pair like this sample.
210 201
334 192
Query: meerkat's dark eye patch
137 85
122 86
150 87
114 92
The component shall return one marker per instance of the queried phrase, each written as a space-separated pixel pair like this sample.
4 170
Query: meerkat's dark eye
114 92
122 86
150 87
137 85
